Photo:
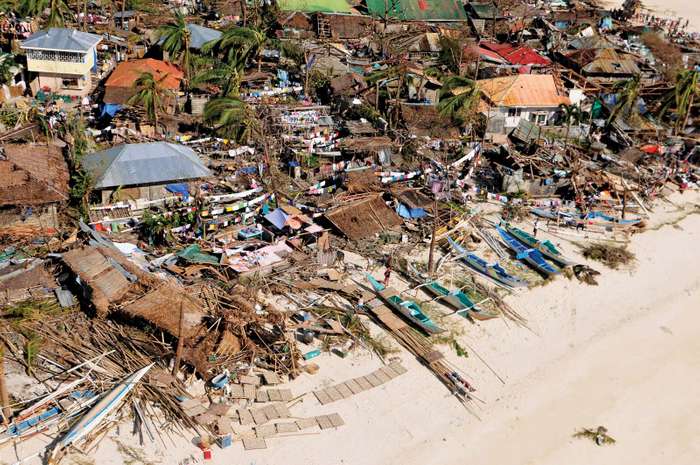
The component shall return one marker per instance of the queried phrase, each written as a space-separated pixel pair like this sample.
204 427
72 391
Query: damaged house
142 171
509 99
33 182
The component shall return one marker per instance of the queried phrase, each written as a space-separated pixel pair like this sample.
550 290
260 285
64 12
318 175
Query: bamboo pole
4 396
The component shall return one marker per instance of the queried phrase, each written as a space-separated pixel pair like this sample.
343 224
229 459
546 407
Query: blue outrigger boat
459 301
494 271
529 255
545 247
409 309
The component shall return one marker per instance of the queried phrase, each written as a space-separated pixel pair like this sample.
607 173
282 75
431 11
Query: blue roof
67 40
200 35
147 163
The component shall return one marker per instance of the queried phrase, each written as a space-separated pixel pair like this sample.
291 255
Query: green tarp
311 6
194 254
422 10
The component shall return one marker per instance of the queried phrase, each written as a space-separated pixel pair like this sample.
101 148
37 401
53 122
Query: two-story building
62 59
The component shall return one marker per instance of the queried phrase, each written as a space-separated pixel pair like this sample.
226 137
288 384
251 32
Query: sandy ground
623 354
687 9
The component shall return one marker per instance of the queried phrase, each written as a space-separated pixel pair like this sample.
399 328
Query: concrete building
509 99
63 60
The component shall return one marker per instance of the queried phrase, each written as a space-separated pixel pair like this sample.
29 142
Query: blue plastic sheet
277 217
406 212
110 109
181 189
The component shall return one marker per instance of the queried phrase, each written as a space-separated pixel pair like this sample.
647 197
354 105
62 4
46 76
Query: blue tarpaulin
248 170
406 212
277 217
110 109
181 189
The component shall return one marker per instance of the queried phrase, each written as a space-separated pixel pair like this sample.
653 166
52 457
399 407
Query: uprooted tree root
612 256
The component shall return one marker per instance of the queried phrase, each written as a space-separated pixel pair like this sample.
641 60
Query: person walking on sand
535 227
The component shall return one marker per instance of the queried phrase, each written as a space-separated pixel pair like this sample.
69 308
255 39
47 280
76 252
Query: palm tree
239 44
231 117
628 94
227 76
58 10
572 115
176 39
682 97
151 94
458 98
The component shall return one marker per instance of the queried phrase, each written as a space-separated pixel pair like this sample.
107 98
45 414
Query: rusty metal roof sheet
523 90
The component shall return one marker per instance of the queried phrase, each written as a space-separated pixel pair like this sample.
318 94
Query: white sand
686 9
624 354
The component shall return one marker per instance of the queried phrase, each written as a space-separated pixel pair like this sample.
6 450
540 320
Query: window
533 117
541 119
53 55
70 83
514 111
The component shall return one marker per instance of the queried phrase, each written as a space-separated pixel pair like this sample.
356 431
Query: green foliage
150 94
176 41
32 347
237 44
227 75
58 10
231 117
8 67
627 94
682 97
612 256
451 54
458 98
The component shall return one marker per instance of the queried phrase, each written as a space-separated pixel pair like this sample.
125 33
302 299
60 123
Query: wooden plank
398 368
306 423
343 390
259 416
363 383
388 372
249 392
324 422
373 380
282 410
323 397
247 379
262 396
245 417
287 427
382 376
254 443
270 412
265 431
275 395
333 393
336 420
286 394
353 386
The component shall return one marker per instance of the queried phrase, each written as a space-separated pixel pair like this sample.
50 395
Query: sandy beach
622 354
669 9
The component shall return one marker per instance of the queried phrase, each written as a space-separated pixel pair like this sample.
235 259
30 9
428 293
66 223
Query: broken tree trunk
180 341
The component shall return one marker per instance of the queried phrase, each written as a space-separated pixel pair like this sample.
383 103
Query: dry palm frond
611 256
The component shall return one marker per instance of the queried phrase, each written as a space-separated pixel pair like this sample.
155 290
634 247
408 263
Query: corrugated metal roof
523 90
62 39
126 73
200 35
423 10
609 61
517 54
148 163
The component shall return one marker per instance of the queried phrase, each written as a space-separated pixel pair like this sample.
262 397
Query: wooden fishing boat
493 271
545 247
407 308
106 405
530 256
459 301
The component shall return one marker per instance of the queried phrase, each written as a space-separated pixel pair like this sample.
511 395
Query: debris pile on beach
202 202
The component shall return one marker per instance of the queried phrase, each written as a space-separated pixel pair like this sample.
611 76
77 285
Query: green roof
311 6
423 10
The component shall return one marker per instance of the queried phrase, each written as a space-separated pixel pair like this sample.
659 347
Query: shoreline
621 354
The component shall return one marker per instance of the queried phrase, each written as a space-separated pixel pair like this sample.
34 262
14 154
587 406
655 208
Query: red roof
517 54
126 74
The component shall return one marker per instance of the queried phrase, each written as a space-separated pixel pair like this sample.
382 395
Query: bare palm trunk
244 12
